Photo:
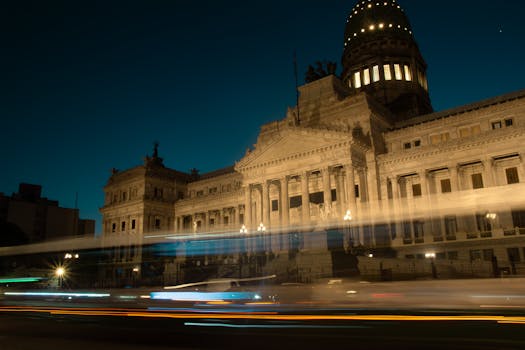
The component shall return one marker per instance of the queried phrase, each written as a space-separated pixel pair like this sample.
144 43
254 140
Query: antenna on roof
297 118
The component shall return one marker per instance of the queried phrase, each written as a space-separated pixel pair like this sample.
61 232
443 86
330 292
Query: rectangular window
408 74
475 254
375 73
241 219
275 205
316 197
512 175
418 229
417 143
123 226
477 181
388 72
451 226
407 145
366 76
124 196
200 193
445 186
113 227
334 195
488 254
226 220
397 72
518 218
357 80
416 190
452 255
496 125
296 202
157 224
356 191
508 122
133 224
513 254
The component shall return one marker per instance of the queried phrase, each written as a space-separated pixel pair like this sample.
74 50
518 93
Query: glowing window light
375 73
397 72
390 25
408 74
366 76
355 34
357 80
362 30
387 71
381 25
372 27
369 5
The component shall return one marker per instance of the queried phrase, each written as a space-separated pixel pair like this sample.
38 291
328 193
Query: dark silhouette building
37 218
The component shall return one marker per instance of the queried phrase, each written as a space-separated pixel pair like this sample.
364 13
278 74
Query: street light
432 256
347 219
261 228
60 272
243 229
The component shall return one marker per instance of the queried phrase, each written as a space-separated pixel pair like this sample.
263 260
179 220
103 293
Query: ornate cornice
450 146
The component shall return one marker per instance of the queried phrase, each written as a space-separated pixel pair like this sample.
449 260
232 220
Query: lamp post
348 241
60 272
432 256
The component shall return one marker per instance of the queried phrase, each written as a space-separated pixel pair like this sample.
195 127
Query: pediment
292 144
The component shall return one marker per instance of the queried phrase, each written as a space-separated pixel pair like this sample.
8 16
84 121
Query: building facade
363 154
38 218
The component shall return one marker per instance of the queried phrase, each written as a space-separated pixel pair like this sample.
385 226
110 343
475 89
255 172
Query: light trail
265 316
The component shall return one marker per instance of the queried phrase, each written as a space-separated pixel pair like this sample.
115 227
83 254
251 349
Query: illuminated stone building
366 144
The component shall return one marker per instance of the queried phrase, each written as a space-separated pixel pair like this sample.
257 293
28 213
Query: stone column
327 192
266 203
424 183
248 206
454 178
305 198
285 203
350 188
339 190
488 172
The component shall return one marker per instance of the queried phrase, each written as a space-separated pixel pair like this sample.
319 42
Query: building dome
382 58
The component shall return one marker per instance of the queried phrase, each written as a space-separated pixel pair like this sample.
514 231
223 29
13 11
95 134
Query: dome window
397 72
366 76
387 72
375 73
408 74
357 80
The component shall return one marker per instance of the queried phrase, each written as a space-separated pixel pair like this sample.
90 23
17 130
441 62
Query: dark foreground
28 330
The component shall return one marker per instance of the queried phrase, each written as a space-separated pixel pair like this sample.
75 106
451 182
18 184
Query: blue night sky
88 86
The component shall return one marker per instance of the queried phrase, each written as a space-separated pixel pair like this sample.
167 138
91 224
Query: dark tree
319 70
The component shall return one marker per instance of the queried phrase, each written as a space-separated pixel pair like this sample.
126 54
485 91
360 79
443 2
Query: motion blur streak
229 325
260 316
57 294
